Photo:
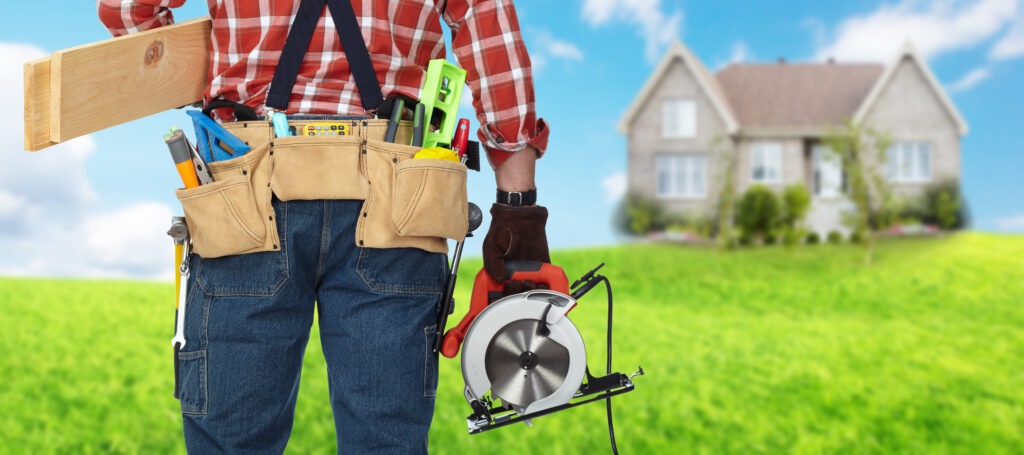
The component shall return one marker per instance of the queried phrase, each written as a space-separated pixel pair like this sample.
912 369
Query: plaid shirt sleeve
122 17
488 43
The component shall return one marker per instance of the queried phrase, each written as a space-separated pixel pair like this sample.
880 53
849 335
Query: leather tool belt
407 202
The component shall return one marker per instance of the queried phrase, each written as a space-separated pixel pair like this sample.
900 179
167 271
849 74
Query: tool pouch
317 167
415 203
407 202
430 199
232 215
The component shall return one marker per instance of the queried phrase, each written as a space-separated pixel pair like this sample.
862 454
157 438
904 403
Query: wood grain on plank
107 83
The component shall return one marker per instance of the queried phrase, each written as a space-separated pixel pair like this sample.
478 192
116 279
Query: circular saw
521 355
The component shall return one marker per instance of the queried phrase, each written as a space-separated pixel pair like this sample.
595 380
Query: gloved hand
516 233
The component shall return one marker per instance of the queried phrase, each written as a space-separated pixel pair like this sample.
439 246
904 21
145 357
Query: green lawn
803 350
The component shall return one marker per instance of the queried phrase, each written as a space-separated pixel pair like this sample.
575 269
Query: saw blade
523 366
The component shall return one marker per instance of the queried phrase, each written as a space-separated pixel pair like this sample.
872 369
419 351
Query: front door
828 172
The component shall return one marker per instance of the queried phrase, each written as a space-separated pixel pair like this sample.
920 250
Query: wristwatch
517 198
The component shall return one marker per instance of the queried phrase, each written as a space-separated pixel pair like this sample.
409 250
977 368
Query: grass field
765 350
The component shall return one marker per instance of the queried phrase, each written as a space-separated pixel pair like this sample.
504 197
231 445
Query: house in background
773 116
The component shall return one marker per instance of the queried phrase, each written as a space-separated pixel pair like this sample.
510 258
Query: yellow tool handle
178 253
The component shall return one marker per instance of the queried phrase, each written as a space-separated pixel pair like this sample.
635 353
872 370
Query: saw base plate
485 417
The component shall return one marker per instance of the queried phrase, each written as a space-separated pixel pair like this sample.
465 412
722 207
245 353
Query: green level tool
440 95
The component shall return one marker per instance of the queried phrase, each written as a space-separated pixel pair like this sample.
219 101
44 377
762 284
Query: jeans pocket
429 361
192 371
252 274
402 270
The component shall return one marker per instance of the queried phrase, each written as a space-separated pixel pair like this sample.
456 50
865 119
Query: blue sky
99 206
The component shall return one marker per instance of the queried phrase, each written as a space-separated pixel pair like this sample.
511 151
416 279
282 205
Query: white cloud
740 52
614 186
130 241
51 181
1011 223
656 27
49 221
566 50
544 47
970 80
933 28
10 205
1010 45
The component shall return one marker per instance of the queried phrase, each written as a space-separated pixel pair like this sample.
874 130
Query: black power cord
608 366
589 281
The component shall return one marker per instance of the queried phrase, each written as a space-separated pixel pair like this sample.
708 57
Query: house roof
797 95
707 82
909 53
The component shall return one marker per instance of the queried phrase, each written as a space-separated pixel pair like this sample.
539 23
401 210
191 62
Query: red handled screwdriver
461 140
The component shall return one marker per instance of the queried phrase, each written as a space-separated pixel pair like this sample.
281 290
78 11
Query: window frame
674 108
904 163
690 165
767 161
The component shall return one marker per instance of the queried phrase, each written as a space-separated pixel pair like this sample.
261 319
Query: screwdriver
461 139
182 156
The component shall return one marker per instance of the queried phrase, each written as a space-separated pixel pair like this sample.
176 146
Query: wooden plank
111 82
37 104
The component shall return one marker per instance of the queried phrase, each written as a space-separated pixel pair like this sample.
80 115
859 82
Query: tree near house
862 152
727 192
757 212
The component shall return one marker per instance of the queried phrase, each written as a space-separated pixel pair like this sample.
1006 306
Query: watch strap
517 198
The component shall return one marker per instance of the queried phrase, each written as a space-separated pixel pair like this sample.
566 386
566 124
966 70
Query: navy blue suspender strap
297 43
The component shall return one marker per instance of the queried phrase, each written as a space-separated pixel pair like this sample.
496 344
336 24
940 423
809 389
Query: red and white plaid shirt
402 37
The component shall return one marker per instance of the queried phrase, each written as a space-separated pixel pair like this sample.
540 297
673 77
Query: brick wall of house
645 139
909 110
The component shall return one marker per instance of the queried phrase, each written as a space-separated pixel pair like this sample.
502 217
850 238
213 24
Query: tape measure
325 129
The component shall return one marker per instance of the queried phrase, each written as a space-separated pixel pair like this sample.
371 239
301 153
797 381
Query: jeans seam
428 391
325 242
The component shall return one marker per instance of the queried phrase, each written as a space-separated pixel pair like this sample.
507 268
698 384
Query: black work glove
516 233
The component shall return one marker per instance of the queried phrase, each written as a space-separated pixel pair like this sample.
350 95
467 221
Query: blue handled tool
213 141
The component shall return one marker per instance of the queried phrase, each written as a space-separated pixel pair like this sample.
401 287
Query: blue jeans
248 320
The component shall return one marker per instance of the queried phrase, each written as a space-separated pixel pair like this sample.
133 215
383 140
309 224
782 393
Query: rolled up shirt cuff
499 149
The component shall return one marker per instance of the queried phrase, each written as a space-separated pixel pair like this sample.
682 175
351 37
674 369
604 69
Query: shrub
943 204
834 237
792 236
796 201
813 238
643 214
769 239
757 211
945 210
857 237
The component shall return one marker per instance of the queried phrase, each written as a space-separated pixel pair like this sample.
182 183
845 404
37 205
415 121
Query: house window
909 162
766 162
682 175
679 118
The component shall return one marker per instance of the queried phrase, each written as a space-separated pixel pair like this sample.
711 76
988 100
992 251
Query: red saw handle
486 290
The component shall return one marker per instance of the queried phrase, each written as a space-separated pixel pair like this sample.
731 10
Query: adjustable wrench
179 326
